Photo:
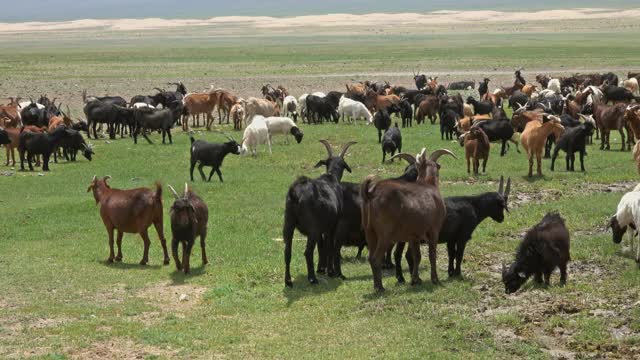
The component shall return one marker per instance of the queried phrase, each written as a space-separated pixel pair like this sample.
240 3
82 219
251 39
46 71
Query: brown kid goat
535 136
189 217
476 147
398 211
129 211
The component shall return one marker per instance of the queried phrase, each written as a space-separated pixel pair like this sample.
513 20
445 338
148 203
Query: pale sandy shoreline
324 21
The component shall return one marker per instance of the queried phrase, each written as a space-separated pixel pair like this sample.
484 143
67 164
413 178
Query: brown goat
189 217
398 211
495 97
237 113
200 104
517 85
632 118
428 107
476 147
225 101
129 211
375 102
12 113
534 137
609 118
529 89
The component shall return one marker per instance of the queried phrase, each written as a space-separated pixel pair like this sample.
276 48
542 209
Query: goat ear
320 163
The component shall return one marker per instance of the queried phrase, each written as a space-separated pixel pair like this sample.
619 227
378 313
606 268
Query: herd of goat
382 215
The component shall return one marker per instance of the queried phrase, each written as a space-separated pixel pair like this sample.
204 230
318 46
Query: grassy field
60 299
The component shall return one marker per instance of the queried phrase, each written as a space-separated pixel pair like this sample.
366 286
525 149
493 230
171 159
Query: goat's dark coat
210 154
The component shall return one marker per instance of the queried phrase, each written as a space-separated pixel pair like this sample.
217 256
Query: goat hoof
321 271
166 261
288 283
143 262
435 281
118 258
110 260
400 280
379 289
415 282
313 281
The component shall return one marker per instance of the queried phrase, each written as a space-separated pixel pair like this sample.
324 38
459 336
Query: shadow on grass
178 277
302 288
126 266
534 178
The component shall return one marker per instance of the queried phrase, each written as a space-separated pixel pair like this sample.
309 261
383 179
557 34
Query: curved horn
94 178
436 154
161 90
173 191
405 156
186 189
345 147
501 186
507 190
328 146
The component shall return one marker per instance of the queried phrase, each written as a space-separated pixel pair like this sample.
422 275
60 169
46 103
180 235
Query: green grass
60 299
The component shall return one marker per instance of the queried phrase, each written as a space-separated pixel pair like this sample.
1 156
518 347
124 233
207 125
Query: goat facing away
189 217
397 211
129 211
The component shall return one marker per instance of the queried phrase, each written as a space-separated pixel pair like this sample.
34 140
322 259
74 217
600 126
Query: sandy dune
323 21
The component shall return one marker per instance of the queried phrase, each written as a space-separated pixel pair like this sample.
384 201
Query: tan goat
534 137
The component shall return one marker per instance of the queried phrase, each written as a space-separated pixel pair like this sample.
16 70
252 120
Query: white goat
290 107
554 85
628 215
255 134
283 126
631 85
353 109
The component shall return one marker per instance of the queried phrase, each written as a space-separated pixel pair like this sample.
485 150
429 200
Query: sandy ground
324 21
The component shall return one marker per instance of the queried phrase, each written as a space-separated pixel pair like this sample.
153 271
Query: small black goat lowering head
335 165
512 278
297 134
87 151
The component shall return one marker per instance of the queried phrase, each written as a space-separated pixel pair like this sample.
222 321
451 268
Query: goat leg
312 239
451 249
414 249
163 242
203 236
174 251
119 243
111 252
563 274
186 255
397 255
147 242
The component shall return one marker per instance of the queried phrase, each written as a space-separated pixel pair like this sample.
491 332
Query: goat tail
365 194
158 195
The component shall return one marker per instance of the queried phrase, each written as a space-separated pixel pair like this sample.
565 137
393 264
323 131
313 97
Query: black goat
382 121
72 144
211 154
461 85
153 119
498 130
518 99
320 109
448 120
544 247
189 216
480 107
573 139
406 112
483 87
464 214
616 94
33 144
391 141
99 112
314 206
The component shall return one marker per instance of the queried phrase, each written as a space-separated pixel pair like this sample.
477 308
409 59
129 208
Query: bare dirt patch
179 298
119 348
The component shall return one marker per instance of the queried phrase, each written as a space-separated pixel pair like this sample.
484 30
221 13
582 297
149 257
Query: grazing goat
189 216
391 142
319 109
262 107
313 207
476 147
210 154
284 126
609 118
398 211
129 211
72 144
627 218
534 137
461 85
154 119
574 139
544 247
290 107
375 102
352 110
480 107
256 133
32 144
382 122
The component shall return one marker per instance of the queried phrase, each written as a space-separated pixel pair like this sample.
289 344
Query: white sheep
554 85
255 134
284 126
353 109
628 213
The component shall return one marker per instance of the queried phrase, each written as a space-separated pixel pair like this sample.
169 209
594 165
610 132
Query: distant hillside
57 10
